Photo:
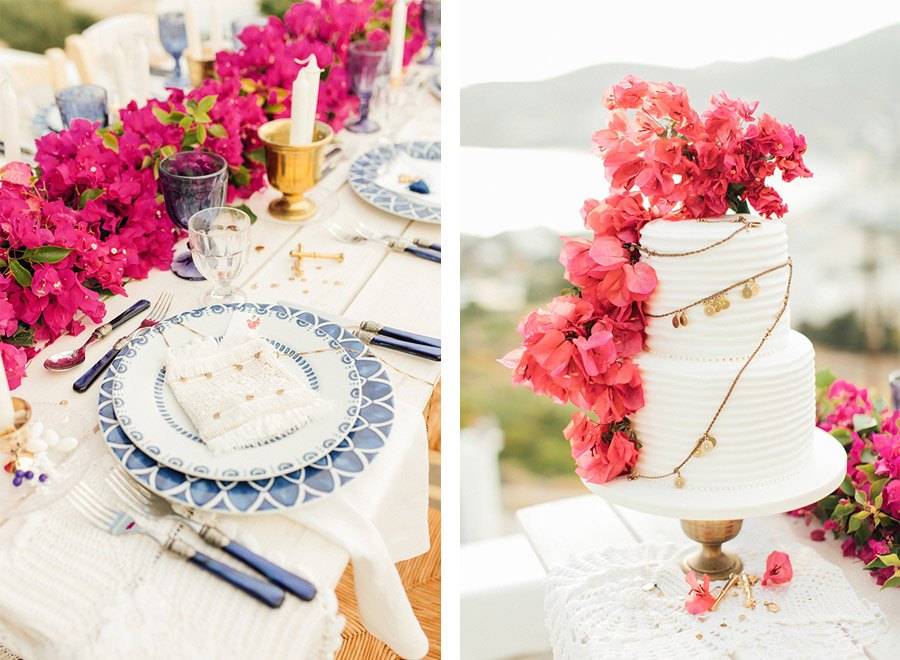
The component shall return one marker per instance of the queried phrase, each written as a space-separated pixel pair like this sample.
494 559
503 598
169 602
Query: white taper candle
58 62
9 107
123 90
194 42
299 104
142 77
398 38
313 74
215 27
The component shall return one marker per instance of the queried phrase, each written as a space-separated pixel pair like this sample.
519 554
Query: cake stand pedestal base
711 559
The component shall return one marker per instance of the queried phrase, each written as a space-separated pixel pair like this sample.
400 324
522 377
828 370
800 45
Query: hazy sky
517 40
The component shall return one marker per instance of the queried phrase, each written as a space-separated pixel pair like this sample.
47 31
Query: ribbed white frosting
735 331
765 431
763 434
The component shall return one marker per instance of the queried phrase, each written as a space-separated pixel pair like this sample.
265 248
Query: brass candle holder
711 559
202 68
293 169
13 440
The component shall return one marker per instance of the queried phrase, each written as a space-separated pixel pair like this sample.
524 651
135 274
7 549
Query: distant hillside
839 98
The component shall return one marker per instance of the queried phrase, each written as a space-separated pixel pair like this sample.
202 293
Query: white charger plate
147 410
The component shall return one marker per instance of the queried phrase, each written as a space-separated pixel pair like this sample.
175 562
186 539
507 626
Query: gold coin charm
684 319
709 309
773 607
754 286
725 303
679 481
706 446
675 322
747 292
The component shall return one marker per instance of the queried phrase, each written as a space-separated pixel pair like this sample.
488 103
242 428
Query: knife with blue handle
387 331
412 348
423 253
421 242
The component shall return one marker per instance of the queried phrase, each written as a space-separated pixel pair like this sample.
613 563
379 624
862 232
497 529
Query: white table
560 529
373 283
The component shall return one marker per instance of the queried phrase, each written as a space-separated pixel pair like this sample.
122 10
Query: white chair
29 75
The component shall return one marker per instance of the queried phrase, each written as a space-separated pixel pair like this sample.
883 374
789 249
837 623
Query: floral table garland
89 217
866 508
664 161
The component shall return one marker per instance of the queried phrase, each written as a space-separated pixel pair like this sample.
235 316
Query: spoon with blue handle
71 359
387 331
412 348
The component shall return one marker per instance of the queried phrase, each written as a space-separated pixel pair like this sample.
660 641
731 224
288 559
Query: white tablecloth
70 590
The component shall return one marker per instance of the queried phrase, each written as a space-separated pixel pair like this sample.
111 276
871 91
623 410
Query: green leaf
87 195
273 108
893 581
842 511
860 497
890 560
21 273
258 155
110 141
186 122
248 86
162 116
847 486
202 118
824 379
868 470
856 520
843 436
217 130
863 423
240 176
167 150
49 254
201 133
862 535
22 337
206 103
246 209
147 162
189 139
878 486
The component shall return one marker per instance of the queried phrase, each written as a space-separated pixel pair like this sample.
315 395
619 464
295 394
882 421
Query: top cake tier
731 333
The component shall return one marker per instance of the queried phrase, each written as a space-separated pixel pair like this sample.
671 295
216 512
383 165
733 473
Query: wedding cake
763 433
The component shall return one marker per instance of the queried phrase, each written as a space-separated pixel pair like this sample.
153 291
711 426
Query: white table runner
72 591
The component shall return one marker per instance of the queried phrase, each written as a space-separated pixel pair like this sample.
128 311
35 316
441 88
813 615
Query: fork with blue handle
404 341
119 522
139 498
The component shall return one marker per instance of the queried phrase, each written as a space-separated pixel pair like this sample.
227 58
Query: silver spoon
70 359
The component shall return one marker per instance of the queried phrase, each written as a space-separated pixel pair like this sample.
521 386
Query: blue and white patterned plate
365 170
163 429
347 460
46 120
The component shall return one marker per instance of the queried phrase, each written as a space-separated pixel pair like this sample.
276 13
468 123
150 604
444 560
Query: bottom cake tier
763 435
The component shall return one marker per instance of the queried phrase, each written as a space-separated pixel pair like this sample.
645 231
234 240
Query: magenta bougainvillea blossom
662 160
267 64
866 507
89 216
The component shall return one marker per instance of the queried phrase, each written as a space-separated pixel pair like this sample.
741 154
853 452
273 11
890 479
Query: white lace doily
596 608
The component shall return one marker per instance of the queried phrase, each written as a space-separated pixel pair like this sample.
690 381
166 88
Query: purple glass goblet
82 102
431 20
191 181
364 60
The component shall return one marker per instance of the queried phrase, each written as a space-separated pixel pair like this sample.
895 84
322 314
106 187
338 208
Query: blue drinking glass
364 60
82 102
431 19
173 37
191 181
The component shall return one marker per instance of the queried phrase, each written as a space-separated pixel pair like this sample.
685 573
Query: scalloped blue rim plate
364 172
164 430
350 458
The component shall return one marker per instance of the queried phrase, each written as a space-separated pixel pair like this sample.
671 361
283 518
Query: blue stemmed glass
173 37
82 102
431 19
191 181
364 61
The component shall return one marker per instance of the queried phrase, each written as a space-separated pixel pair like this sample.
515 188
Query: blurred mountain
841 99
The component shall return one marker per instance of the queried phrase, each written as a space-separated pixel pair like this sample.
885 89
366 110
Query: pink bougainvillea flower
700 599
600 453
817 535
778 568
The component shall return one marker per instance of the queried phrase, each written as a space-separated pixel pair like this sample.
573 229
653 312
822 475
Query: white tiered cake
768 455
764 433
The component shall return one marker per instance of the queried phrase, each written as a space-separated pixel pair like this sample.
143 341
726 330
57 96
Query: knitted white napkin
405 165
236 392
